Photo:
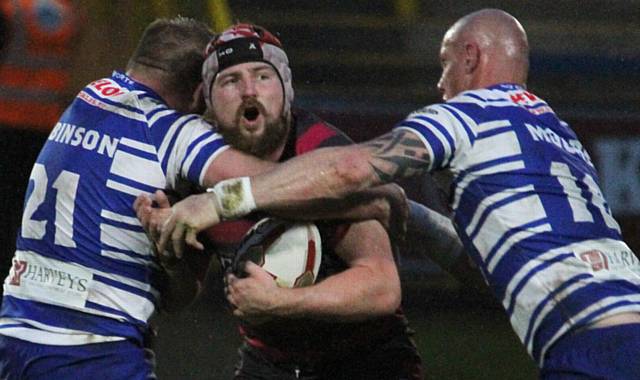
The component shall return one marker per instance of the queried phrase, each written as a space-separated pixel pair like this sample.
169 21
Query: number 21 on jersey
64 188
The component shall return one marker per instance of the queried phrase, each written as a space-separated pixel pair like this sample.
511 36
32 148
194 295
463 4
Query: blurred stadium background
363 65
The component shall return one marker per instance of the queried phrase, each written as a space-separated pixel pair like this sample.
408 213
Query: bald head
488 47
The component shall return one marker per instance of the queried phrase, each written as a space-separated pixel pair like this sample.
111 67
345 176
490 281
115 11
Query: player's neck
151 80
277 153
491 73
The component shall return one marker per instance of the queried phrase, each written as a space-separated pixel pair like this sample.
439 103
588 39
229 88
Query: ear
471 57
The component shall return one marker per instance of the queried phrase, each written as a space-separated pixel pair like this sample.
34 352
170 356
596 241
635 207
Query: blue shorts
600 353
20 359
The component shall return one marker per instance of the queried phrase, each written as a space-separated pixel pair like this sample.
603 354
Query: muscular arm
433 235
386 204
374 204
369 287
233 163
330 174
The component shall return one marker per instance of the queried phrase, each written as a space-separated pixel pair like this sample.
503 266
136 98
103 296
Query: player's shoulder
479 100
504 95
119 92
470 105
303 120
313 132
443 114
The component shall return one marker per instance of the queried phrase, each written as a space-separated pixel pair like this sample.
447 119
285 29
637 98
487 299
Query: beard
275 132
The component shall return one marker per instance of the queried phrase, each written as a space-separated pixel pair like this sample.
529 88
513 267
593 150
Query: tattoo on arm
398 154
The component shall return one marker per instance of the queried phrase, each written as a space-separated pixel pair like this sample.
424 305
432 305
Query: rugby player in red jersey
349 324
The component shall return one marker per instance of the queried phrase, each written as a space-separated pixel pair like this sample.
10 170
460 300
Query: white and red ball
292 254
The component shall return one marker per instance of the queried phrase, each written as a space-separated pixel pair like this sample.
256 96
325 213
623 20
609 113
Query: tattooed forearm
398 154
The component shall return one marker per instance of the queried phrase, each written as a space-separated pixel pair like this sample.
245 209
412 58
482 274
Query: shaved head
488 47
496 30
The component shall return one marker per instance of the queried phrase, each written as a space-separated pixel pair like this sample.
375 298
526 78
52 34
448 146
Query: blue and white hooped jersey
529 209
83 270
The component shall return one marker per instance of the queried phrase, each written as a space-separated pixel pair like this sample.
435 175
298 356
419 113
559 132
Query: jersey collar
506 87
126 81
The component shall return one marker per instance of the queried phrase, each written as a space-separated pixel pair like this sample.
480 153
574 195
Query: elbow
392 300
393 289
388 298
386 304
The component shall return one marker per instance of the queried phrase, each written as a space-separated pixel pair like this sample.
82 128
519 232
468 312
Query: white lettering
86 138
224 52
77 136
54 131
90 140
109 144
67 133
552 137
572 146
536 132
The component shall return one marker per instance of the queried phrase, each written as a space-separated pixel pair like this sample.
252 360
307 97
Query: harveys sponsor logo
23 272
600 260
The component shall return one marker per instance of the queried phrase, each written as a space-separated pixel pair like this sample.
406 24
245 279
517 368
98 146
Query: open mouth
251 113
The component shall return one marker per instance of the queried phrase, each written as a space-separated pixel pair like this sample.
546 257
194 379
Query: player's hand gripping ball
290 251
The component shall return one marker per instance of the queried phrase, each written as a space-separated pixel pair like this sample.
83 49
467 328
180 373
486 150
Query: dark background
363 65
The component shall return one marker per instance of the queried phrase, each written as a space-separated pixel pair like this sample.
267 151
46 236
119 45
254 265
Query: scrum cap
242 43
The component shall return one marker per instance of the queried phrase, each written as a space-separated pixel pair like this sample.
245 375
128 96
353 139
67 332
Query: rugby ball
290 251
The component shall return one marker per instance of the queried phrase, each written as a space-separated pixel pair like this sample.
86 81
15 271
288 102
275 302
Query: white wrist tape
233 197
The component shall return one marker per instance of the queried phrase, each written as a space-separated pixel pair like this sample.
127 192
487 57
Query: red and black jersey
306 339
